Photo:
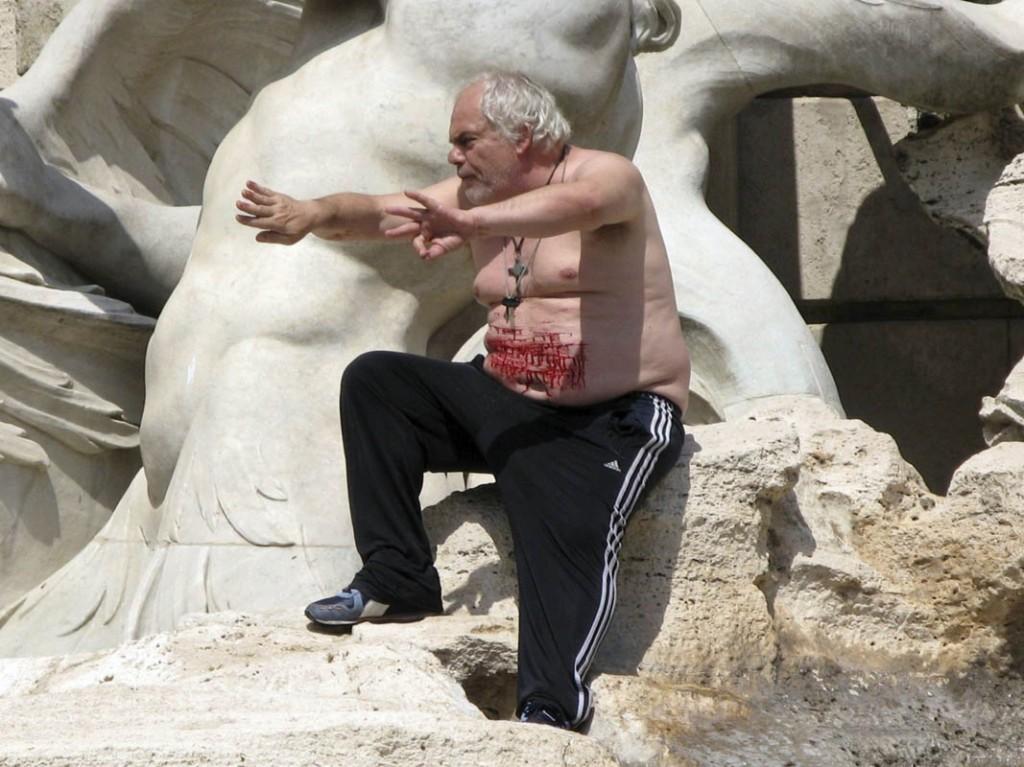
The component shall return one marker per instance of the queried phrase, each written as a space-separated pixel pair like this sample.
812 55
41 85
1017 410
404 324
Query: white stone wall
912 322
25 26
8 43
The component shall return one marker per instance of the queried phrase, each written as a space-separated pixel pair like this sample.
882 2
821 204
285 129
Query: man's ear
524 143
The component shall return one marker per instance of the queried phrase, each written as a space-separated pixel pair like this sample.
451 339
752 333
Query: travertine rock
1004 215
261 692
870 570
791 537
1003 415
967 171
36 20
689 608
8 43
796 534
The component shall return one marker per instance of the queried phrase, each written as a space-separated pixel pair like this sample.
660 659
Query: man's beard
479 192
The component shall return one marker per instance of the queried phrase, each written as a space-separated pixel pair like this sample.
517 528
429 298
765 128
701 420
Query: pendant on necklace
518 270
510 303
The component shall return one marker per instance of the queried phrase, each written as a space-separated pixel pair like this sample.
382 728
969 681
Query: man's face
486 161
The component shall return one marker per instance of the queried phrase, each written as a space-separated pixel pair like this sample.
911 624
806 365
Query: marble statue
103 149
84 188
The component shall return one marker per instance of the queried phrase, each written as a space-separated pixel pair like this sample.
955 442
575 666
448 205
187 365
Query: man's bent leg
397 423
569 496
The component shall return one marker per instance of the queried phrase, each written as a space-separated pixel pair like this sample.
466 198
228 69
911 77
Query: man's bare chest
551 266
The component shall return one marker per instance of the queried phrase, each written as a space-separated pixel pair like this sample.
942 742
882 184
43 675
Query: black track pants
569 478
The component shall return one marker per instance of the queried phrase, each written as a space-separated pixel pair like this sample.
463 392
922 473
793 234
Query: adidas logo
613 465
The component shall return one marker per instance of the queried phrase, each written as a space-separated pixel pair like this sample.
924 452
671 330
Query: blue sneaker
542 713
348 607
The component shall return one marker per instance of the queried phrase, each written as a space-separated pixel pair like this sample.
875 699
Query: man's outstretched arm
606 189
285 220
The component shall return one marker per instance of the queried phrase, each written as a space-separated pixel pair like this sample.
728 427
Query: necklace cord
518 270
561 158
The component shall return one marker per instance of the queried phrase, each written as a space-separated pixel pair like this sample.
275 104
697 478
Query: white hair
511 101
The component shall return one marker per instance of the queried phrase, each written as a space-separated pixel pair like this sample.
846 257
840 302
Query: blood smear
542 357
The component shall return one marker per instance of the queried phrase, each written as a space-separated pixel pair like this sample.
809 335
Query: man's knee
375 374
368 367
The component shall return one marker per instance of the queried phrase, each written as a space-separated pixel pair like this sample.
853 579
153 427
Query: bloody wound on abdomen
548 358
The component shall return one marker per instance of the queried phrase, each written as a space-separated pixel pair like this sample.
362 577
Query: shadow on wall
914 326
922 340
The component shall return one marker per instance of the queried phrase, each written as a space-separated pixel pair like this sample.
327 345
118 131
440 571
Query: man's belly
557 350
538 362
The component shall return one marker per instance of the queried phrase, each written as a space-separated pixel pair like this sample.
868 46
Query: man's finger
275 238
257 197
255 223
403 230
427 202
449 244
436 250
254 210
258 188
416 214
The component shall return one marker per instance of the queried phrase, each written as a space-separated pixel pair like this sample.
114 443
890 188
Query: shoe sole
400 618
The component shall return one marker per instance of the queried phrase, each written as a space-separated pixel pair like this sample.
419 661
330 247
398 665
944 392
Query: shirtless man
576 409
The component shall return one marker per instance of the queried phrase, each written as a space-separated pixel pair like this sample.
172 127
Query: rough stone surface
1003 415
1004 216
703 525
967 170
792 570
246 690
8 43
36 20
921 381
834 220
873 571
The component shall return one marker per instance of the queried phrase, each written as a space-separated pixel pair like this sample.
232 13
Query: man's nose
455 156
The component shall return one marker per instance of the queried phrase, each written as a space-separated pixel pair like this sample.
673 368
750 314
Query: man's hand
437 229
284 219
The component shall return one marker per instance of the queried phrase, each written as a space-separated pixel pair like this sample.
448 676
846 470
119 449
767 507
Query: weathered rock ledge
791 592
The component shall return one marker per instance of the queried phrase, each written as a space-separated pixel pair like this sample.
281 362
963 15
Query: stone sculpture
82 186
240 503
